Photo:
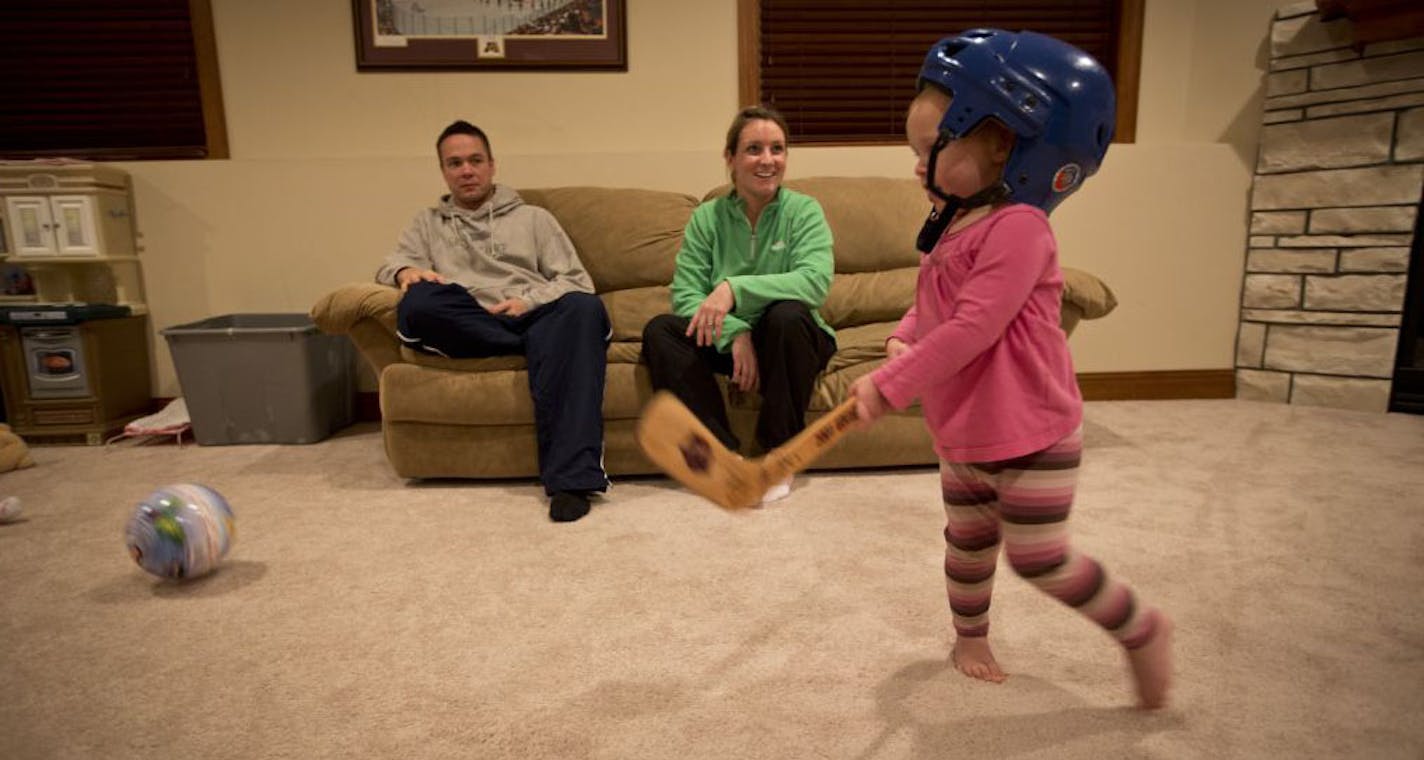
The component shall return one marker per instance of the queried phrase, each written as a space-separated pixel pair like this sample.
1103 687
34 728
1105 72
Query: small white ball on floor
10 509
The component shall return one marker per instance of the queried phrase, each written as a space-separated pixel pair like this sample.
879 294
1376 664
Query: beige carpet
361 617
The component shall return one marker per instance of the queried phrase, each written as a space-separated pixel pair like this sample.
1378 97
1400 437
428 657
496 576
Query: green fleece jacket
786 258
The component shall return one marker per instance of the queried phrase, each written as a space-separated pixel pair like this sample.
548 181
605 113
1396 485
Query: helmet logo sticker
1066 177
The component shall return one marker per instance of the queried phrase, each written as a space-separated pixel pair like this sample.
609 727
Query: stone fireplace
1334 209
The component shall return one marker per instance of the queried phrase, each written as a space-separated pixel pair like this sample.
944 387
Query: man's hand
510 307
870 404
411 275
894 347
706 322
744 363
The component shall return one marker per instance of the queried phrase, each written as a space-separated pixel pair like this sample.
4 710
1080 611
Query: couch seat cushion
619 352
856 345
417 393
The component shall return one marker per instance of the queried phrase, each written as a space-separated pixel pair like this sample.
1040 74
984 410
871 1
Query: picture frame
578 35
16 283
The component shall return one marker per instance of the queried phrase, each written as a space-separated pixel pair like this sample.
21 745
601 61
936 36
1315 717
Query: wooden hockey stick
675 440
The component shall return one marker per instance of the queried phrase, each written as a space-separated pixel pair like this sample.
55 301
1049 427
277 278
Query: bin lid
246 324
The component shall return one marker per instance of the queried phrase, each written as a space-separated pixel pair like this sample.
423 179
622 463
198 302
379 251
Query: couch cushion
860 298
874 219
625 352
868 297
625 237
489 364
414 393
1091 295
632 308
619 352
864 343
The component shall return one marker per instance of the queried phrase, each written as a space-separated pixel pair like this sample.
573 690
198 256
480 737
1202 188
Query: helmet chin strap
938 220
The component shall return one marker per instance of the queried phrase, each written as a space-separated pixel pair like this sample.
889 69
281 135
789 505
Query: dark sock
567 506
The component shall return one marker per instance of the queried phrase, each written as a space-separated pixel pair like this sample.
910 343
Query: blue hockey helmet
1057 99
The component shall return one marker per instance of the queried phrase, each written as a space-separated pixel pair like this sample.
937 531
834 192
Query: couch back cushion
628 239
874 221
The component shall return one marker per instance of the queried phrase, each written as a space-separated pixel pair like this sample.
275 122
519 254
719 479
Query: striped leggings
1023 504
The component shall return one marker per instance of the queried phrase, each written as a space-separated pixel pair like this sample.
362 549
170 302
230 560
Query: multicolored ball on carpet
181 531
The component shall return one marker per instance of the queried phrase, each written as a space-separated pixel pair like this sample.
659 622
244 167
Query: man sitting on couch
482 274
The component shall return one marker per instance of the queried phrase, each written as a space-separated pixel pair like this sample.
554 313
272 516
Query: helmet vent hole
1102 135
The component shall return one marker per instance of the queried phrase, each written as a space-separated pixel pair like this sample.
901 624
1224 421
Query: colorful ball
181 531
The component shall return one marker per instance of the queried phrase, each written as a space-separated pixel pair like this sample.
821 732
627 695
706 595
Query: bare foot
1152 666
971 655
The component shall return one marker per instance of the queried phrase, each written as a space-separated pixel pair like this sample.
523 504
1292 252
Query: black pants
566 345
791 349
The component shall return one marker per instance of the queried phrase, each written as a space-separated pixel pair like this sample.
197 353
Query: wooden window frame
205 46
1129 60
210 103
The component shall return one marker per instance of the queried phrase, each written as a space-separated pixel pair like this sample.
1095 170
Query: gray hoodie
501 250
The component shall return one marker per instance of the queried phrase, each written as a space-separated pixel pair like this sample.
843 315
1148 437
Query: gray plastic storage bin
263 378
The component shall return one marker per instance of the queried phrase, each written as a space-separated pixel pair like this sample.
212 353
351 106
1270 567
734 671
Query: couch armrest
367 313
1090 295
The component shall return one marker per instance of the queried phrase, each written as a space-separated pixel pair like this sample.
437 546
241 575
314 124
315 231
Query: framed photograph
15 282
491 34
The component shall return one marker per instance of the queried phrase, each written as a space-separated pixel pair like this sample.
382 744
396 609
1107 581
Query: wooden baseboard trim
1152 386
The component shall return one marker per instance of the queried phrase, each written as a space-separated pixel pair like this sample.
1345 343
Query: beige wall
329 164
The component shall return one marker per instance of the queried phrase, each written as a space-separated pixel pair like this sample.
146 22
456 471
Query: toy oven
54 362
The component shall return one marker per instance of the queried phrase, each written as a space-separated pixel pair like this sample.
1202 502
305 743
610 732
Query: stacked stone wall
1338 180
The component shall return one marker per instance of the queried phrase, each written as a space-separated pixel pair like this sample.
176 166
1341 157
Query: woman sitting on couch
754 269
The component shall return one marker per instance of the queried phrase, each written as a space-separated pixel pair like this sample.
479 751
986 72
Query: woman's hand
894 347
744 363
870 404
706 324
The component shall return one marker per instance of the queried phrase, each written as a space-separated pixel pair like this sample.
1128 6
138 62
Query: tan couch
473 418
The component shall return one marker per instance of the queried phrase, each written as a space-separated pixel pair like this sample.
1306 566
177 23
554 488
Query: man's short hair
463 127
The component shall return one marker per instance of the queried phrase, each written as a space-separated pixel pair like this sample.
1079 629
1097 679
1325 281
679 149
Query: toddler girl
1005 126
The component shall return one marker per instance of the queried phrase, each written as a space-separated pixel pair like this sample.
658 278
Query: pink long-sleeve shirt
988 359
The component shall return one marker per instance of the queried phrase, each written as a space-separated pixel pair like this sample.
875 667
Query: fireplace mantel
1376 20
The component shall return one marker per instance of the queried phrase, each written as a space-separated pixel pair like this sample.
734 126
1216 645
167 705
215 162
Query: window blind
100 80
843 71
